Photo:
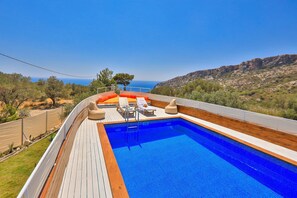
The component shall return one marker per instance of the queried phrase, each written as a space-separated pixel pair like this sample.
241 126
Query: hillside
267 85
273 72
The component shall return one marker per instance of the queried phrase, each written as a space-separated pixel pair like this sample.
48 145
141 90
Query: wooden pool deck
86 173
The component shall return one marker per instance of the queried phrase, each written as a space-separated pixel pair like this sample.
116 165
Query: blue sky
152 39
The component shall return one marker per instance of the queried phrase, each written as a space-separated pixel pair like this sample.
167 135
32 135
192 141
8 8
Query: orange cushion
112 95
103 98
125 95
133 96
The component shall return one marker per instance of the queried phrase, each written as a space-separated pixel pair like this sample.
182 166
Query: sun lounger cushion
143 106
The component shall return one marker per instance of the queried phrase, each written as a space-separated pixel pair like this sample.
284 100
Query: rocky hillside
273 73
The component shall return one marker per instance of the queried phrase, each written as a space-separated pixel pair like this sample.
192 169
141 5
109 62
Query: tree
105 76
94 85
123 79
54 88
15 89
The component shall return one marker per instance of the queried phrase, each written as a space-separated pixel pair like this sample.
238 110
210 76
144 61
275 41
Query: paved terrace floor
86 175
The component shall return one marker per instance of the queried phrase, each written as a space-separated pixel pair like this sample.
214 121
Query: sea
134 84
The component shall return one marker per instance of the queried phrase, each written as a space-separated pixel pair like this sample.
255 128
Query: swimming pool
176 158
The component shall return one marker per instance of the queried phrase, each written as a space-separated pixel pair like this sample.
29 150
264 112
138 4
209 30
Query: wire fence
17 132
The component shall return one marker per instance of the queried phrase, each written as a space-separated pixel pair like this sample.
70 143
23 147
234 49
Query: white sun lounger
124 106
143 106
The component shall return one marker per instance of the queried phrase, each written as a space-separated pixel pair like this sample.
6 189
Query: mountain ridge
223 74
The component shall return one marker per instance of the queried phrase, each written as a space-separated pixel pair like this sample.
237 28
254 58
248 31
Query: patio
86 173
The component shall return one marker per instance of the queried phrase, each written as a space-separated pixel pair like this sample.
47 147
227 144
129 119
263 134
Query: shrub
8 113
51 137
290 113
10 148
67 109
24 113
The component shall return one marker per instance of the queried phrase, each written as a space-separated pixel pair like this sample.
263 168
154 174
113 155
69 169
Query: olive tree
15 89
54 88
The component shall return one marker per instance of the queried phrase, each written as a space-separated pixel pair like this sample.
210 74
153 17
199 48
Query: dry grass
45 104
268 111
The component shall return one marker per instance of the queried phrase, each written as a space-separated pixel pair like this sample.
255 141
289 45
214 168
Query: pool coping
116 180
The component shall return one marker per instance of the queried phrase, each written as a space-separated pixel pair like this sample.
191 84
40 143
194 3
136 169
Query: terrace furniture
106 96
172 107
143 106
94 113
124 107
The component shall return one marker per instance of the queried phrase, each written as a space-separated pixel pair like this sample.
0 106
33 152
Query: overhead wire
44 68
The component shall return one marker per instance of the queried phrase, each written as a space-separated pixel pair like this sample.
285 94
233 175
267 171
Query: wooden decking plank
89 168
105 188
54 182
103 168
99 162
84 164
117 183
79 163
95 176
84 177
73 179
65 188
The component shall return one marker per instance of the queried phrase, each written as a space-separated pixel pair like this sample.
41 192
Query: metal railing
137 89
121 88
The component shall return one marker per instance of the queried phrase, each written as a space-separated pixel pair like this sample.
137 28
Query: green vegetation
123 79
279 102
54 88
205 91
8 113
15 89
15 171
105 77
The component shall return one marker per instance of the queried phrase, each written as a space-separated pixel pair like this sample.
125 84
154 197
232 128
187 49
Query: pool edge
117 184
278 156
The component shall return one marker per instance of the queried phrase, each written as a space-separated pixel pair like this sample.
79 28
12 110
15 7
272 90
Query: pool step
132 127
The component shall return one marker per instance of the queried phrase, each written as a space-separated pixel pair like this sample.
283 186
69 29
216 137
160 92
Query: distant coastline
85 82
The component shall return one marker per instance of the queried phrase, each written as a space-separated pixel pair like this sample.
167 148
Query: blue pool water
176 158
